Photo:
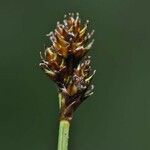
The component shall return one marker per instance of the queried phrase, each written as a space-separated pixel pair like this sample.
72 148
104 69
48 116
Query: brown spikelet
66 63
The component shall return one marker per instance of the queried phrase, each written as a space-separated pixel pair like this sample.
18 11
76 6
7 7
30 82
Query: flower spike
67 64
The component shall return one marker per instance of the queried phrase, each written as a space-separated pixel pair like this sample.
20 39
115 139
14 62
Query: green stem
63 135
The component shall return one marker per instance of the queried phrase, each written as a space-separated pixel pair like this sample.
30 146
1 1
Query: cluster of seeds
67 64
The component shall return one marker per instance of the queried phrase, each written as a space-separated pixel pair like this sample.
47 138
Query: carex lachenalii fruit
67 64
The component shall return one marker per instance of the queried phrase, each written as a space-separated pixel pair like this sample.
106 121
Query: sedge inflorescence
67 64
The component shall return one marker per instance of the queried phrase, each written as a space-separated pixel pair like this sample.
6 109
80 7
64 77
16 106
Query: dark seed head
66 63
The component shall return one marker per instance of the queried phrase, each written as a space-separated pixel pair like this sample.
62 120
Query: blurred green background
116 117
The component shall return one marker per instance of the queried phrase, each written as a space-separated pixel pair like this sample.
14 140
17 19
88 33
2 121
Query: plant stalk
63 135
